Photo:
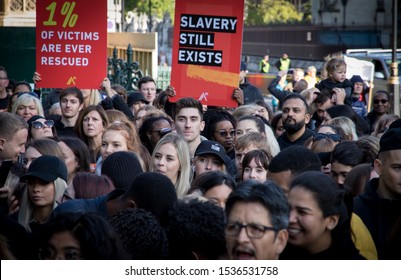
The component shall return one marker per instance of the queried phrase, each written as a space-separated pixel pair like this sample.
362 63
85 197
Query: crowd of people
111 174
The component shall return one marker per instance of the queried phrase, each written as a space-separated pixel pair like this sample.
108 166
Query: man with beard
295 118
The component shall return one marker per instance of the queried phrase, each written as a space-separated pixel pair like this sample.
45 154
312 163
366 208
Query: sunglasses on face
382 101
163 131
47 123
224 133
320 136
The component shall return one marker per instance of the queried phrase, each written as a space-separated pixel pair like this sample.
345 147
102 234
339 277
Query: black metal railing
125 73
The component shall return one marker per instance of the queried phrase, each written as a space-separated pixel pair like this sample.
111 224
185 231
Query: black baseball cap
47 168
135 96
215 148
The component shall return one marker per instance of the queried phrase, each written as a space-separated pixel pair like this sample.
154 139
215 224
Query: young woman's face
41 194
307 227
113 141
254 171
207 162
218 195
245 126
279 129
62 246
224 134
166 161
93 124
42 132
30 154
69 158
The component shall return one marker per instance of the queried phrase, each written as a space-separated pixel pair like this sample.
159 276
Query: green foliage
257 12
262 12
158 7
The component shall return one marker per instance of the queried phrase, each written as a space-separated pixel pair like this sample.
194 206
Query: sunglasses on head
163 131
382 101
29 93
47 123
224 133
320 136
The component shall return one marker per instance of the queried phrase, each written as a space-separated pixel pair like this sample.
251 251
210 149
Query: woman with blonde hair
383 124
45 185
347 126
171 158
27 106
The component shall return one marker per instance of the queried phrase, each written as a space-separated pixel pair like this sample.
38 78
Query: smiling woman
318 227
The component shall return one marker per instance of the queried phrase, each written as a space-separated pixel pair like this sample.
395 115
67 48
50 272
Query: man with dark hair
147 87
188 116
344 157
291 162
379 206
295 117
71 103
196 231
322 102
257 220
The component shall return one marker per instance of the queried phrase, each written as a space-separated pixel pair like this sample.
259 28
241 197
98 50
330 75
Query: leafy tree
257 12
158 7
262 12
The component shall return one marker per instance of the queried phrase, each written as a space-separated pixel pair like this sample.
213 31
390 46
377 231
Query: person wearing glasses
317 225
39 127
257 219
153 129
381 106
220 127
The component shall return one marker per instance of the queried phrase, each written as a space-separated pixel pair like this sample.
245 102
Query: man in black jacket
379 206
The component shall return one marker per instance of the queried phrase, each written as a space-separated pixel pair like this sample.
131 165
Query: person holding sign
246 93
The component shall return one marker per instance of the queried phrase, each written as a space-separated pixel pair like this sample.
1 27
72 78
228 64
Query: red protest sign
207 50
71 43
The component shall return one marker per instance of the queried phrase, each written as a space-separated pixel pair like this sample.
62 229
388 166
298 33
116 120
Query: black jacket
379 216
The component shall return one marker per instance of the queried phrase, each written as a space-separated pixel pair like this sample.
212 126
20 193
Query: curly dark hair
196 230
97 238
141 234
212 117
